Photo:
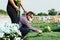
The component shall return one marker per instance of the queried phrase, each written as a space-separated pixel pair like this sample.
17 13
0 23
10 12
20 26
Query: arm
13 4
23 7
30 27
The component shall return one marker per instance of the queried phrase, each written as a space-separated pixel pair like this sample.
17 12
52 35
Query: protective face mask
30 19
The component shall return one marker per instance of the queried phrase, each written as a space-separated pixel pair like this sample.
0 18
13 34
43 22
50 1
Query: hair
30 12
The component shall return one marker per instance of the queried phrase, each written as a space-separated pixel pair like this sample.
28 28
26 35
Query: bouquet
10 32
18 4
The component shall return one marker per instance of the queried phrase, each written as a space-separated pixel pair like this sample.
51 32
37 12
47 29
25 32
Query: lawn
43 36
54 34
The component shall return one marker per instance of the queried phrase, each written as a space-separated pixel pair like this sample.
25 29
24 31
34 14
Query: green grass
42 25
43 36
39 24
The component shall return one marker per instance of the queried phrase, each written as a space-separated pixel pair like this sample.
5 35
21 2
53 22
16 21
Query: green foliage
43 36
52 12
3 12
58 13
53 35
42 14
24 13
42 25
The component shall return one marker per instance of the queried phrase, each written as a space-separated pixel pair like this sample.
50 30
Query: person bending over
26 26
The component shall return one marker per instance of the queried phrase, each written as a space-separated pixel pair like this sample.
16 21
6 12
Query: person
12 9
25 24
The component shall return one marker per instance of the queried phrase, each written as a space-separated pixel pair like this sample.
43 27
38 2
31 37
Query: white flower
6 30
15 25
1 35
15 30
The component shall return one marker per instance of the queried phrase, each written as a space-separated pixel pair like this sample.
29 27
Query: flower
1 34
10 30
6 30
48 28
15 30
14 25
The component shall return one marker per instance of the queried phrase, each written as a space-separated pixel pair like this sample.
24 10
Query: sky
36 5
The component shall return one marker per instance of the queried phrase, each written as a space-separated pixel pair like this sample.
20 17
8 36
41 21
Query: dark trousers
12 14
24 31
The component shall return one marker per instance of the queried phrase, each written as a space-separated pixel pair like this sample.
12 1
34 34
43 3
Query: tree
42 14
25 14
3 12
52 12
59 13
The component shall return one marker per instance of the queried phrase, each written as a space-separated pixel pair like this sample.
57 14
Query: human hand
39 31
17 8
